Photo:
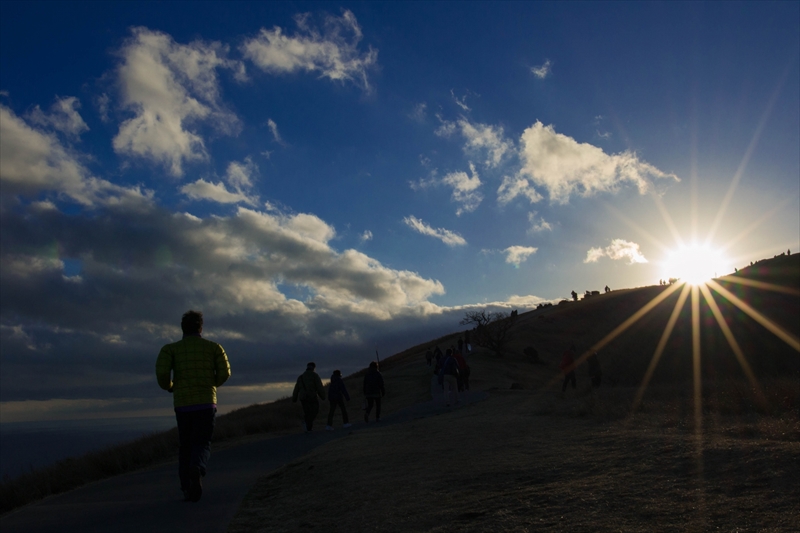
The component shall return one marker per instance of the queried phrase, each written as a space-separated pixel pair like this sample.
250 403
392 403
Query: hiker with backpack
463 371
307 388
374 391
448 377
337 394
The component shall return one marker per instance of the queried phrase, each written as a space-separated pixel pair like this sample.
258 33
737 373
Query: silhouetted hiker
594 370
449 378
337 394
307 389
607 289
373 391
463 371
436 382
429 357
192 369
574 296
437 353
568 367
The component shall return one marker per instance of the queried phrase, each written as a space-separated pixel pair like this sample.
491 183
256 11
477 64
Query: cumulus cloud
480 139
563 167
618 249
542 71
538 225
518 254
239 176
63 117
448 237
465 189
33 161
171 88
333 52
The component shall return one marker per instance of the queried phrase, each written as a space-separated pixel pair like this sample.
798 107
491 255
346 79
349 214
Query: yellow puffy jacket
193 368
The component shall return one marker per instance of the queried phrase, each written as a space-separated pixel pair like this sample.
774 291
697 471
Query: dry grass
499 466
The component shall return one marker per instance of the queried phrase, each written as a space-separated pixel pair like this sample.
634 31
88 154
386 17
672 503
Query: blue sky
321 178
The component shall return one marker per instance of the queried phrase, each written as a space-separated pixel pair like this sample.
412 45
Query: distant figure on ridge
574 296
337 394
594 370
192 369
373 391
607 289
568 367
307 389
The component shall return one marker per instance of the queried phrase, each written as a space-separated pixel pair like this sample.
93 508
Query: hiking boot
195 486
328 428
347 426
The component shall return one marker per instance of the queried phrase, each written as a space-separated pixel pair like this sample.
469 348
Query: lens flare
695 264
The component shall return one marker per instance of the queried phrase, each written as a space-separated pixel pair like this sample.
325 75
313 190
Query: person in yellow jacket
307 389
192 369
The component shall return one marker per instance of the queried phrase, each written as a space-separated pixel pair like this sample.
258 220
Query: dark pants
340 403
195 429
377 403
310 411
569 377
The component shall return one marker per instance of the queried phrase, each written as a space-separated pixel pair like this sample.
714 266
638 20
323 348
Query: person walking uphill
307 388
373 391
192 369
337 394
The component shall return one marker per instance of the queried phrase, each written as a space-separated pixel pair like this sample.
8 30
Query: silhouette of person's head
192 322
337 373
373 365
311 366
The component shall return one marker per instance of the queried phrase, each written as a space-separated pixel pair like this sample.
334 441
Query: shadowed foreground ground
521 461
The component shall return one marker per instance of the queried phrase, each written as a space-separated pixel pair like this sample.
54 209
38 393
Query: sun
696 264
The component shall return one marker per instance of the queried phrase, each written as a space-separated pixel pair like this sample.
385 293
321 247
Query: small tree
492 329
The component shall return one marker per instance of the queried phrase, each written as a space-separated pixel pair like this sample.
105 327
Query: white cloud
618 249
273 128
479 138
465 189
103 102
446 236
63 117
366 236
333 52
564 167
240 175
462 102
32 161
542 71
171 88
518 254
514 186
538 225
216 192
419 113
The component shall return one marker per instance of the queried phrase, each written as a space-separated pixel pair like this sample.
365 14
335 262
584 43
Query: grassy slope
535 459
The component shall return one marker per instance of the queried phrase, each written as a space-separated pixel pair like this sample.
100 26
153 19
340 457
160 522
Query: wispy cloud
332 52
273 128
465 189
538 225
480 139
618 249
446 236
63 117
518 254
564 167
460 102
366 236
419 113
166 86
542 71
